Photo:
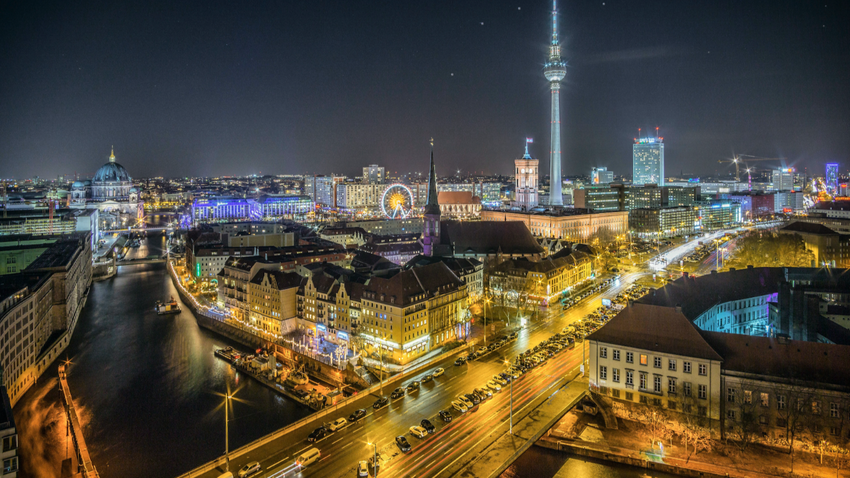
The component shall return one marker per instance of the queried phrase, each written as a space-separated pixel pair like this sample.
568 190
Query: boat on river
165 308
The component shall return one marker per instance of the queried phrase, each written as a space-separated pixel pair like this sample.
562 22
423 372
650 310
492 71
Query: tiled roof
457 197
489 237
809 228
277 279
657 329
412 285
798 360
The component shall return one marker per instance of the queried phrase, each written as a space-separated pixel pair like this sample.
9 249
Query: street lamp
227 431
511 431
374 457
486 302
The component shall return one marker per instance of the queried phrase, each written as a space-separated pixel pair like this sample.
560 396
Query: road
447 449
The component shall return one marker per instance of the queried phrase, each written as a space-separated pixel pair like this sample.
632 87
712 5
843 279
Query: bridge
83 463
145 229
141 260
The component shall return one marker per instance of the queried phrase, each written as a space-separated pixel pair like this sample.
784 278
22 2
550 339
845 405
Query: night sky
235 88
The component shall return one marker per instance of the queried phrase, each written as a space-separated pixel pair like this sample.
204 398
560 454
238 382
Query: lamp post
374 457
486 302
227 431
511 430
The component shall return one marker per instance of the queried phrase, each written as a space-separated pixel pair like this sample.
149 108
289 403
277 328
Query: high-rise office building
832 176
648 161
555 70
599 176
526 180
374 174
782 179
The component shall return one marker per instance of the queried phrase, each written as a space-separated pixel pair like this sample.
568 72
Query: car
338 424
413 387
250 469
505 377
397 393
500 380
380 403
446 415
483 392
473 398
375 462
418 432
482 350
438 372
460 361
402 443
318 434
363 469
427 425
492 385
460 406
357 415
427 378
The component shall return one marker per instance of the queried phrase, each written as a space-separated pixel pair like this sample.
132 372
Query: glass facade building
648 161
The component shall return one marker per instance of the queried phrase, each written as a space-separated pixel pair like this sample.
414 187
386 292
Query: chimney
679 308
731 269
714 271
750 266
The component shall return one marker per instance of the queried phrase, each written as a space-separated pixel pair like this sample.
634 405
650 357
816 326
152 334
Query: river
148 387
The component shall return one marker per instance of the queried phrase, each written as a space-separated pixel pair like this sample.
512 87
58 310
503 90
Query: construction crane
737 161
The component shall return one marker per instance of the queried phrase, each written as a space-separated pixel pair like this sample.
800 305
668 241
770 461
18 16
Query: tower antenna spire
555 70
554 22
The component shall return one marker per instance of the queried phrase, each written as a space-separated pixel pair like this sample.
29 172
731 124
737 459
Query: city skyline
281 106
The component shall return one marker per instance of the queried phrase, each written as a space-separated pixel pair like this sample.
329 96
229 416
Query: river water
148 387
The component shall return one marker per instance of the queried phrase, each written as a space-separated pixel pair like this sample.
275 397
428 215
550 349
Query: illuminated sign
342 335
321 327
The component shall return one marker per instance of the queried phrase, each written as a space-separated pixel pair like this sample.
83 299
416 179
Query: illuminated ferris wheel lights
397 201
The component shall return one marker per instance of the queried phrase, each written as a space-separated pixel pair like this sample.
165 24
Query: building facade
526 175
601 176
571 225
648 161
374 174
662 223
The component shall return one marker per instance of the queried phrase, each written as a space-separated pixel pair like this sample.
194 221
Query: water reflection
148 386
540 462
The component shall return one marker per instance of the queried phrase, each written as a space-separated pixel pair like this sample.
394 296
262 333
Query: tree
655 421
840 456
690 427
791 401
742 419
762 248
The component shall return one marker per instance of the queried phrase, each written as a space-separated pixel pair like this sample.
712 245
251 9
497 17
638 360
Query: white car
466 401
418 432
500 380
482 350
362 469
494 386
338 424
438 372
460 406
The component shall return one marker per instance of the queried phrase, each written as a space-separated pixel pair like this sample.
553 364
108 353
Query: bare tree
655 421
742 419
690 427
791 402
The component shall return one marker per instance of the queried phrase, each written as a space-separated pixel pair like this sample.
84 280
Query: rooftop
489 237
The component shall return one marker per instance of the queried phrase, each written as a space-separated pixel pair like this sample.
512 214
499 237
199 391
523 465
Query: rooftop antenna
656 133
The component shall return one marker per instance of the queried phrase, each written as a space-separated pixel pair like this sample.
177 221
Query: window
671 365
836 431
671 404
644 359
763 419
615 374
764 399
780 402
603 352
643 399
748 397
671 385
630 396
616 354
686 367
656 383
656 362
686 389
656 402
687 408
702 411
703 392
615 393
10 465
630 381
816 407
603 372
630 357
10 442
730 414
703 369
643 381
730 395
781 422
834 410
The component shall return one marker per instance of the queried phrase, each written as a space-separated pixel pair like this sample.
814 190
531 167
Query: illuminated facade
648 161
601 176
568 225
782 179
832 176
268 208
555 70
526 180
661 223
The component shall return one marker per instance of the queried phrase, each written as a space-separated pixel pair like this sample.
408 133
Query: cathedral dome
111 173
78 185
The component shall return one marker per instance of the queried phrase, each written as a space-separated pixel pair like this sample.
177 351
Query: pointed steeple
112 156
432 206
526 155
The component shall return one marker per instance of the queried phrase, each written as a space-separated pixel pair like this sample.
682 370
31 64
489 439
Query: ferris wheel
397 201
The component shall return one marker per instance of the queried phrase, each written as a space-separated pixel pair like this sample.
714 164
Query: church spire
432 206
112 156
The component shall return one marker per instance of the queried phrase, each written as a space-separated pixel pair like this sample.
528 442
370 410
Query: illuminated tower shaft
555 70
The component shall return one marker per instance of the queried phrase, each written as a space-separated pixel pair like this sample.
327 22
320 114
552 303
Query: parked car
402 443
460 406
494 386
483 393
446 415
397 393
460 361
438 372
413 387
427 425
473 398
427 378
418 432
380 403
363 469
357 415
318 434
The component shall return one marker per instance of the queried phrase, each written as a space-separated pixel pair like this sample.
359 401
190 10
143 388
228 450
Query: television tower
555 70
